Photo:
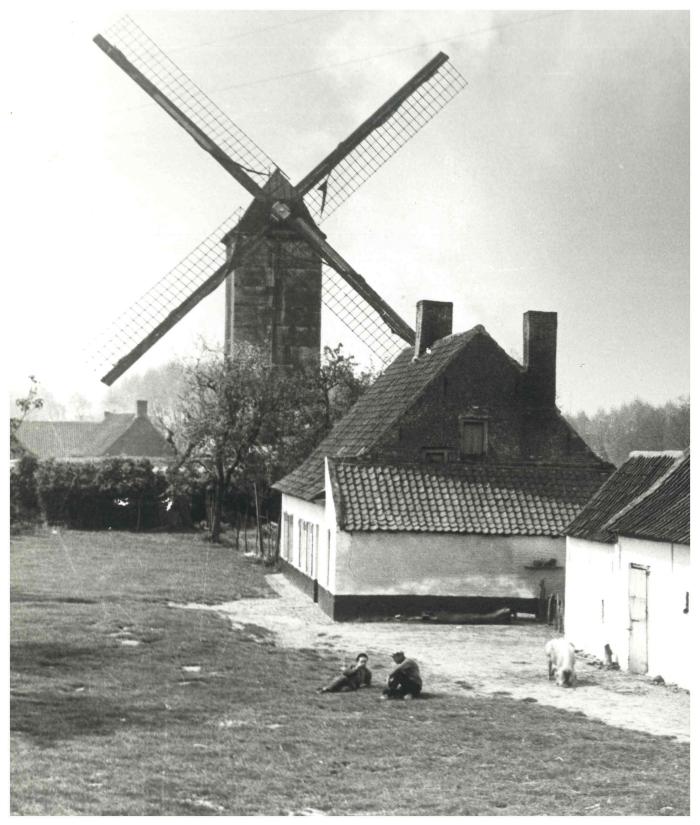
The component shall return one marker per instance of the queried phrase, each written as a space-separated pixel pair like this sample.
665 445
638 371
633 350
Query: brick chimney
142 409
433 321
540 357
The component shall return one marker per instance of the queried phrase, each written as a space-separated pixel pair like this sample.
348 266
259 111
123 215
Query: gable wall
597 602
482 380
142 439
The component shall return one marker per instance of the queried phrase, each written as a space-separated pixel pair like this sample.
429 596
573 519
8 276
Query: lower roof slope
58 439
632 479
661 513
487 499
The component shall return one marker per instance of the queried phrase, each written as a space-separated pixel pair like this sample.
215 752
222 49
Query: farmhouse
447 486
118 434
628 568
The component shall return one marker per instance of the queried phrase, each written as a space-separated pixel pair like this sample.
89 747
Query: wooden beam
374 121
317 242
178 313
201 138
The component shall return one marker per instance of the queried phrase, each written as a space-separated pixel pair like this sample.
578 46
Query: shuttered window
473 437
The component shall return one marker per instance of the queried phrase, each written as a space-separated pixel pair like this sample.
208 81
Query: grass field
104 726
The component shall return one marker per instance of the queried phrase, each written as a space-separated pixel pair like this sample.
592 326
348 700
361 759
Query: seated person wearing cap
404 680
352 678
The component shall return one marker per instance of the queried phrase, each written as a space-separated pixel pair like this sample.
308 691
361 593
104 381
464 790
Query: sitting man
354 677
404 680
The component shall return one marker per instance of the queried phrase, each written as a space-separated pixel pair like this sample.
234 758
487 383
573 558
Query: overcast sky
557 180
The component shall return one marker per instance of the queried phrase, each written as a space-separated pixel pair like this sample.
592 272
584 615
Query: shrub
121 493
24 502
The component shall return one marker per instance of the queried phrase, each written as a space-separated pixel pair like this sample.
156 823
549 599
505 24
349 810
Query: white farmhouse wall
669 628
311 513
597 601
445 564
592 603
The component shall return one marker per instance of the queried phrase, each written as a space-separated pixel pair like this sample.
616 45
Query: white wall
669 629
313 513
445 564
591 604
598 573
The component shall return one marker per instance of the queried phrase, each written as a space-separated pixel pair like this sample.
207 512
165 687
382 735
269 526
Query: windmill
277 264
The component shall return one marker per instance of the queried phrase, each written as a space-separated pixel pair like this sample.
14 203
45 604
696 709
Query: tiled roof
489 499
113 426
375 411
74 439
661 513
57 439
632 479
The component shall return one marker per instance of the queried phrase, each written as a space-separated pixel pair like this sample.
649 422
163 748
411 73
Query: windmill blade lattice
129 328
357 315
377 148
149 59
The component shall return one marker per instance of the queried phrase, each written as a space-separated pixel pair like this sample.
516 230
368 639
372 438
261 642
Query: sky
557 180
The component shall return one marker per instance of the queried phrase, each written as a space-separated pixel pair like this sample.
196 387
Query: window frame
484 423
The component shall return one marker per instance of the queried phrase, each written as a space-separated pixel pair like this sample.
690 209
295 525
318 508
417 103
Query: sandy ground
485 659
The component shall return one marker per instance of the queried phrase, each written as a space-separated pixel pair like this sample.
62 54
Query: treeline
614 434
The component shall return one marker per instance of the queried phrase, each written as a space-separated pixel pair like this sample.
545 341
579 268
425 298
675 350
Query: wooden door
639 615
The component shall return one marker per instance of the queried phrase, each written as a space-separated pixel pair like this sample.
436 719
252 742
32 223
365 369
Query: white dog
561 660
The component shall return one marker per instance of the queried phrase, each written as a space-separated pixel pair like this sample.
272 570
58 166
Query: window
435 456
288 527
473 437
308 541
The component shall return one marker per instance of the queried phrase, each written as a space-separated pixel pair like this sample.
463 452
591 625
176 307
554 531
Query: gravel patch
483 659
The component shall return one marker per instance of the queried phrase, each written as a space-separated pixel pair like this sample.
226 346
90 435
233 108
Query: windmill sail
359 317
371 145
147 57
345 292
150 314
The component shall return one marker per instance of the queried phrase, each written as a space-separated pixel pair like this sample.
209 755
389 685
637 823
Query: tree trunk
245 522
218 506
260 545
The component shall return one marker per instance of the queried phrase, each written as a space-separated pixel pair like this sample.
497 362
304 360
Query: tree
234 414
161 386
31 401
613 434
321 399
242 423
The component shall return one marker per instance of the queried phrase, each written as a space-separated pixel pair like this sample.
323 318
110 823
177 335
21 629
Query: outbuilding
628 568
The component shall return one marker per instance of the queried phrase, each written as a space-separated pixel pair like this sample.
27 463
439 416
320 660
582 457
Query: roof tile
662 512
632 479
433 498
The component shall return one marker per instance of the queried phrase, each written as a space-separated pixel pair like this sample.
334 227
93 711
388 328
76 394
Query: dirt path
487 659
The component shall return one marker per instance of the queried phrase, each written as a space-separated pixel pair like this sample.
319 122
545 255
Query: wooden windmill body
278 266
274 297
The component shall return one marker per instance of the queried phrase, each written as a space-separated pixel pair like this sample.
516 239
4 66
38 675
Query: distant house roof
376 411
117 434
662 512
625 485
505 500
57 439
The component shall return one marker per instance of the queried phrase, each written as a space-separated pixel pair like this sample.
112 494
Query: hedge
118 493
